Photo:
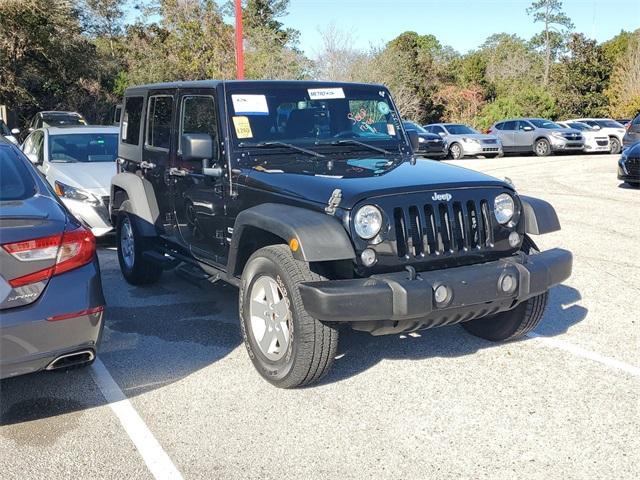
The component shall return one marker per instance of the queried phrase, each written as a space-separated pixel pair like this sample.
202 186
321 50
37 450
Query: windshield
539 123
460 130
306 115
83 147
58 119
3 129
579 126
414 126
16 183
609 124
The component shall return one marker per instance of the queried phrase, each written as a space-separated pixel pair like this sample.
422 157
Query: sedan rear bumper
58 323
474 291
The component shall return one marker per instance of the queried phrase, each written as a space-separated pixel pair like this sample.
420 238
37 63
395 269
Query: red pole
239 45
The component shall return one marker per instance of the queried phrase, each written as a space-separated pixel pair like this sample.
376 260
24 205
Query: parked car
629 165
288 191
624 121
633 132
594 139
614 130
538 135
429 144
78 162
54 119
51 299
465 141
9 134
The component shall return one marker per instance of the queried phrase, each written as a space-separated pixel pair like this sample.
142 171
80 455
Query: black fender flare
320 237
140 202
539 216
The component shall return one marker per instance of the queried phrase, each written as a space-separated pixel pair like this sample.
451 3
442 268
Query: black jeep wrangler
307 196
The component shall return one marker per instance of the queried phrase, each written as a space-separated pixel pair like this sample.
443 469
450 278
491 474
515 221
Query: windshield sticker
250 104
325 93
383 108
363 120
391 130
243 127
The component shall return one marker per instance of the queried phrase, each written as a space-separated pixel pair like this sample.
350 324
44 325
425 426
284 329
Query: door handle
178 172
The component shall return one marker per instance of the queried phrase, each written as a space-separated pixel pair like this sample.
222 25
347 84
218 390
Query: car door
199 199
523 135
505 133
633 132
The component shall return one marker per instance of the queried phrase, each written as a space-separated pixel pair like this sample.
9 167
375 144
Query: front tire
615 145
542 147
515 323
455 151
287 346
135 268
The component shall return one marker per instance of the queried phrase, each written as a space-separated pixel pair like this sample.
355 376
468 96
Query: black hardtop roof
250 83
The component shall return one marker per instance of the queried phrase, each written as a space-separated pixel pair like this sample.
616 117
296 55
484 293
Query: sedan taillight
72 249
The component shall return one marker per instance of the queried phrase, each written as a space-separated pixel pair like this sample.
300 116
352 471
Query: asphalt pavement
175 395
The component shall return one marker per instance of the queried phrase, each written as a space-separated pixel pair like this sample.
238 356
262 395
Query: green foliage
532 101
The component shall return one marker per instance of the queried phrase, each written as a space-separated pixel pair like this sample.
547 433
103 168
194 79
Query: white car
78 162
594 139
10 135
612 129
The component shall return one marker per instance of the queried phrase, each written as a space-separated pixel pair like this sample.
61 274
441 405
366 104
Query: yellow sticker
242 126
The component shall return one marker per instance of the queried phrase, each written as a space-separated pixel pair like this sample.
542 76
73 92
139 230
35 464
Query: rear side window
159 121
499 126
508 126
130 128
16 182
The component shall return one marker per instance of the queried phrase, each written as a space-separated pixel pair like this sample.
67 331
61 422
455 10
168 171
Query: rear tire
135 268
515 323
287 346
542 147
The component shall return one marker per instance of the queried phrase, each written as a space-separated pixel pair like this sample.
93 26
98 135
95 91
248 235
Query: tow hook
412 272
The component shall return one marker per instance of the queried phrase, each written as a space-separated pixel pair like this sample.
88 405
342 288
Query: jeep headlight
368 222
504 207
74 193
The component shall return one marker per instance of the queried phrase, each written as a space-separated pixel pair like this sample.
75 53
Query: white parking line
584 353
158 462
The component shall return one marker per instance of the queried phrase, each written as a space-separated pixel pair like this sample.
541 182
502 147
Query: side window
499 126
509 125
130 127
39 147
636 121
198 116
27 147
438 129
159 114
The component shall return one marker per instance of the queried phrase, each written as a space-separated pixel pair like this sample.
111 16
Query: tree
556 26
104 19
624 88
338 59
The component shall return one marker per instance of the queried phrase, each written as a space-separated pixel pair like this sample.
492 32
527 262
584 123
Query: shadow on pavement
627 186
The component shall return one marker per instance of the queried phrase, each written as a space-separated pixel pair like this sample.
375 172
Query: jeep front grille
445 227
633 166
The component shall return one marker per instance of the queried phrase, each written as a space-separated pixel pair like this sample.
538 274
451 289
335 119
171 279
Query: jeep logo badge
441 196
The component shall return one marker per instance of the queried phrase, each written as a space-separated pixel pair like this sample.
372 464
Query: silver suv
537 135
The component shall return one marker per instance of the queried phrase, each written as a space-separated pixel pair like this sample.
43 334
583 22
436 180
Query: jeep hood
317 179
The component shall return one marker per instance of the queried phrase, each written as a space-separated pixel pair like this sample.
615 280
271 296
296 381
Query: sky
464 25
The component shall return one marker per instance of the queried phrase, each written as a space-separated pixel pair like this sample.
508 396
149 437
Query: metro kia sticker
325 93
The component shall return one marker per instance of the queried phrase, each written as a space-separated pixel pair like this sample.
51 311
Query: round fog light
441 294
508 283
368 257
514 239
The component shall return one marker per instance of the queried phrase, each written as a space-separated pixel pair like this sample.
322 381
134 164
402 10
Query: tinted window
60 119
636 121
509 125
437 129
159 121
414 126
16 182
83 147
498 126
130 127
460 130
579 126
198 116
544 123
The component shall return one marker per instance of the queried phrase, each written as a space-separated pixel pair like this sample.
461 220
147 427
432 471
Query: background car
9 134
633 132
78 162
629 165
429 144
537 135
465 141
51 298
614 130
594 140
54 119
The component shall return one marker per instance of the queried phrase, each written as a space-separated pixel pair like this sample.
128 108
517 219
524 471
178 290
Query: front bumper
472 148
95 217
392 303
29 341
559 144
627 176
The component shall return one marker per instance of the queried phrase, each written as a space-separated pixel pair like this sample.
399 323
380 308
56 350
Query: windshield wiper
282 144
351 141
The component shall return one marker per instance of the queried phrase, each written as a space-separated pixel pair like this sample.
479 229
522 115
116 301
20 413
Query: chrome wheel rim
455 152
541 147
270 318
127 246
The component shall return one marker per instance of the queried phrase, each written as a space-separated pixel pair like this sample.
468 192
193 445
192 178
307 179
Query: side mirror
15 131
413 139
527 128
596 127
33 158
442 134
196 146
